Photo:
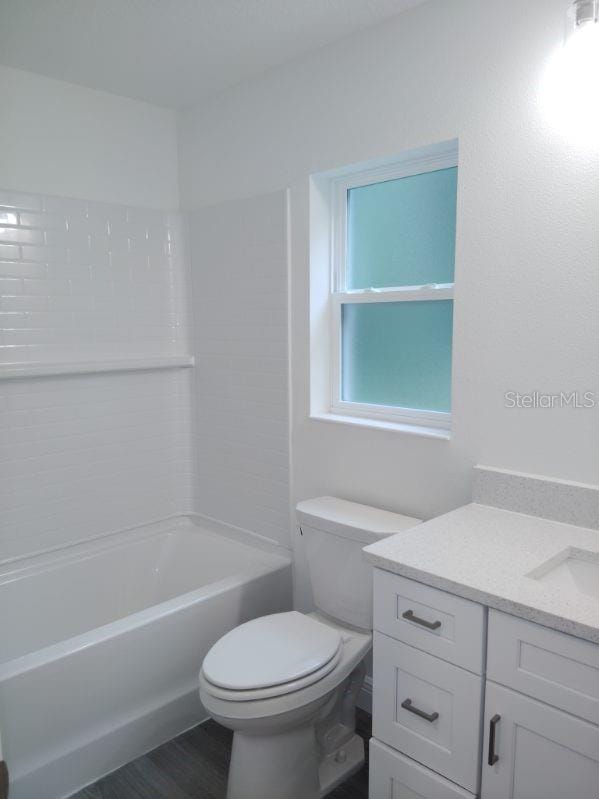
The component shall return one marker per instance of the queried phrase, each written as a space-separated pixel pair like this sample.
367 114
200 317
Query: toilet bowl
287 684
283 700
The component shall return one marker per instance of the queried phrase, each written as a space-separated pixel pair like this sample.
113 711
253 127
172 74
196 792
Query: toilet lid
271 650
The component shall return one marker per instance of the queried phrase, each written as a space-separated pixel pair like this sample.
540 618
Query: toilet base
286 765
279 766
299 745
338 766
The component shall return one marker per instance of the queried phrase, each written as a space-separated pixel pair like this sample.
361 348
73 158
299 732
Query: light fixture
569 88
581 14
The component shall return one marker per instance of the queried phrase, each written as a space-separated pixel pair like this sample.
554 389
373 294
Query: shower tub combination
101 644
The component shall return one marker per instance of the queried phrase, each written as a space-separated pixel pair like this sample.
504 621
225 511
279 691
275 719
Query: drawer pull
430 625
493 758
407 705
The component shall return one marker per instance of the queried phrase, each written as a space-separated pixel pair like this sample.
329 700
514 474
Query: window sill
380 424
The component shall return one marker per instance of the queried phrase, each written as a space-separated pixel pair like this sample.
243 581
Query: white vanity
486 659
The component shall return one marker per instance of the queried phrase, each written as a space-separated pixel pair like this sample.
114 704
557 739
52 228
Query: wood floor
194 766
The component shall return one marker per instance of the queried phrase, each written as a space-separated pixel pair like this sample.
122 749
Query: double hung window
394 232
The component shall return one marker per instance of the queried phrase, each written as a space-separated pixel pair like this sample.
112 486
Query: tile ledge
15 371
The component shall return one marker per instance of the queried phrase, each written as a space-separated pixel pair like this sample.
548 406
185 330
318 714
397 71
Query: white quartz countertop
486 554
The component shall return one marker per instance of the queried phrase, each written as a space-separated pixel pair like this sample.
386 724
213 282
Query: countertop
486 554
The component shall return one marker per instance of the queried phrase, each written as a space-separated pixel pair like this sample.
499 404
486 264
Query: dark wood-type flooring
194 766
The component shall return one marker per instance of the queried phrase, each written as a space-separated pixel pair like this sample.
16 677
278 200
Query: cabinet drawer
394 776
441 624
545 664
428 709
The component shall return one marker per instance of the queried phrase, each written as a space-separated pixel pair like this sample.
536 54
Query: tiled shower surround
82 278
83 455
241 374
87 454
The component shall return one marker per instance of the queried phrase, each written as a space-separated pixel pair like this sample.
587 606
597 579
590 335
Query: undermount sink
571 570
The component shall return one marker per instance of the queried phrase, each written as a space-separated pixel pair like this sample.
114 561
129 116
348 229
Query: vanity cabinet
469 703
533 750
394 776
541 713
558 669
427 709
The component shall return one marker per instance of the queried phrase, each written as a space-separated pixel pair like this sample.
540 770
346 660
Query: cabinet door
548 665
539 752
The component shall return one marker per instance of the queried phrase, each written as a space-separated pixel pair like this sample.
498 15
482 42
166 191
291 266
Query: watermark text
577 400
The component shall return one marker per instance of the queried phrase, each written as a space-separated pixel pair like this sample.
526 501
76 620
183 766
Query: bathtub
101 644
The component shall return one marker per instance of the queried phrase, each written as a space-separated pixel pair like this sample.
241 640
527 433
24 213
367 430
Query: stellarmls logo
537 400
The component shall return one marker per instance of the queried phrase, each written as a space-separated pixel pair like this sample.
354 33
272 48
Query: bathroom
281 281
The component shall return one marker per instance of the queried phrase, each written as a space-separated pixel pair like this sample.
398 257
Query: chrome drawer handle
430 625
493 758
407 705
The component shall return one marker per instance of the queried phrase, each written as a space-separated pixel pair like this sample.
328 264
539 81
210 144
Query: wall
527 309
89 454
83 456
82 279
62 139
85 279
239 273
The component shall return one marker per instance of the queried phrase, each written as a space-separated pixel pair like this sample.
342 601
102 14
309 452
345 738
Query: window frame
340 295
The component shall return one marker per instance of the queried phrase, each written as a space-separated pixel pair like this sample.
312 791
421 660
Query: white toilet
287 684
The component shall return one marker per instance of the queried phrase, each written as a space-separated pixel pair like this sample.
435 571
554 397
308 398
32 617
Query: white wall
58 138
89 454
97 277
85 279
241 408
527 308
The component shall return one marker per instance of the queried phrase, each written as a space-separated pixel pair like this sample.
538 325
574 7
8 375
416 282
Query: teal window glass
402 232
398 354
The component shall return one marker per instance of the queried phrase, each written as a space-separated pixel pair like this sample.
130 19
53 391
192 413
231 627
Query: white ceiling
174 52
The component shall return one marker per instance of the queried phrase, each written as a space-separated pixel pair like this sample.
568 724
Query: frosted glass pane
398 353
402 232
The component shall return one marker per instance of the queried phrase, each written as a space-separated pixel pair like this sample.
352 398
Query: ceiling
174 52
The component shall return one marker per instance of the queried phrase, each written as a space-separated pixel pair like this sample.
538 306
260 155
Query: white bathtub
101 644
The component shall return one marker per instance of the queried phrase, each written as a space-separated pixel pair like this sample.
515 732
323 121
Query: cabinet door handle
407 705
430 625
493 758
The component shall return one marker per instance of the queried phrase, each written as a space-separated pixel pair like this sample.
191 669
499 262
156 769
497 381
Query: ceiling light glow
569 91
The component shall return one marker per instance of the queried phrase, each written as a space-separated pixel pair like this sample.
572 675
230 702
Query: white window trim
401 417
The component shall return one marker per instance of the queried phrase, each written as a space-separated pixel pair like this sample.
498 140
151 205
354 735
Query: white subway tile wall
239 277
85 455
81 456
86 279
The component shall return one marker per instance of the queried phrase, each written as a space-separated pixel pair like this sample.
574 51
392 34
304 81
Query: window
392 291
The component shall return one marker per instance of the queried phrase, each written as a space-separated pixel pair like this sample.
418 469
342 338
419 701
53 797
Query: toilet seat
271 656
273 690
233 707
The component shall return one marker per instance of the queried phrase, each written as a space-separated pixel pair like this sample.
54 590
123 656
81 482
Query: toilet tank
334 531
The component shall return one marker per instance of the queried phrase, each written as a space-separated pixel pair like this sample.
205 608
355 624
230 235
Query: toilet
287 684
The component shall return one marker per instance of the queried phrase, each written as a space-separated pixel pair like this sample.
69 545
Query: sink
571 570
